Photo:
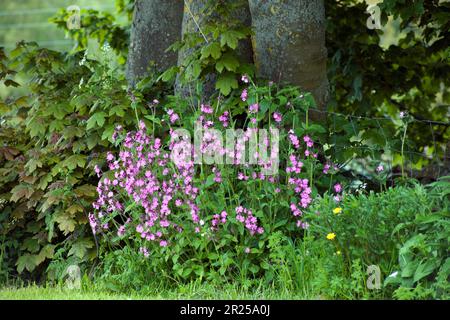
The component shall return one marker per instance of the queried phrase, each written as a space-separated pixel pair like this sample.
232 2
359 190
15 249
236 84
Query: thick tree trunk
289 44
156 26
192 21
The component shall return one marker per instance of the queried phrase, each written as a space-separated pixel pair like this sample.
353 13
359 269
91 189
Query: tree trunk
156 26
192 20
289 44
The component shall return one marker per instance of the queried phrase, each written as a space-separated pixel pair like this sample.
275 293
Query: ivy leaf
97 118
213 49
229 62
26 261
225 82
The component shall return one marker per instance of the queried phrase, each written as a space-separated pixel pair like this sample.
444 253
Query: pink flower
380 168
244 95
206 109
247 250
244 78
337 187
254 108
277 117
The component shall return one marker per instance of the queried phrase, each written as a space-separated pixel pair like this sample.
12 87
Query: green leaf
169 74
226 82
425 268
31 245
65 223
231 38
229 62
97 118
213 49
76 160
47 252
26 261
80 248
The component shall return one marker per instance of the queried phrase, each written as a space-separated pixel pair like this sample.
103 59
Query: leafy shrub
210 221
50 142
424 262
403 227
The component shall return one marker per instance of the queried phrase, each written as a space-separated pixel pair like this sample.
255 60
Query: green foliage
411 75
213 52
50 142
402 229
424 263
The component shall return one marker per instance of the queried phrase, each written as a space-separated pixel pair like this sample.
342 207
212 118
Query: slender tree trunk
289 43
156 26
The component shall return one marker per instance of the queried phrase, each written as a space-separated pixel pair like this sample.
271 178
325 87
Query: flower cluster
246 216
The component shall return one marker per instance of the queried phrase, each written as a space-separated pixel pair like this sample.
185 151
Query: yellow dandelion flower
331 236
337 210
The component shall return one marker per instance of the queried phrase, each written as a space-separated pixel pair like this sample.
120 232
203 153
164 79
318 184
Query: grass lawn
192 291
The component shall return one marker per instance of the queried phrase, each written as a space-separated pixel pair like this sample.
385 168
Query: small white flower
393 275
202 222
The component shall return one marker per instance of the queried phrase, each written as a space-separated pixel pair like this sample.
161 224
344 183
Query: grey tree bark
192 22
156 25
289 44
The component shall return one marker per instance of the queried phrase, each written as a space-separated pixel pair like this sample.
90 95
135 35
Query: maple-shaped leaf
97 118
80 248
21 191
213 49
65 223
228 62
225 82
26 261
31 245
47 252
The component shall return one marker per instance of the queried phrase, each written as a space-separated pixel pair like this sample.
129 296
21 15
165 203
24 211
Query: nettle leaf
74 208
26 261
213 49
228 61
226 82
97 118
80 248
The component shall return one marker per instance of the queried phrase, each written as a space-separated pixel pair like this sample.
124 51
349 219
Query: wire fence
434 164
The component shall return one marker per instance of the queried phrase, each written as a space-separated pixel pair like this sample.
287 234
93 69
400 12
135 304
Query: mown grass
191 291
